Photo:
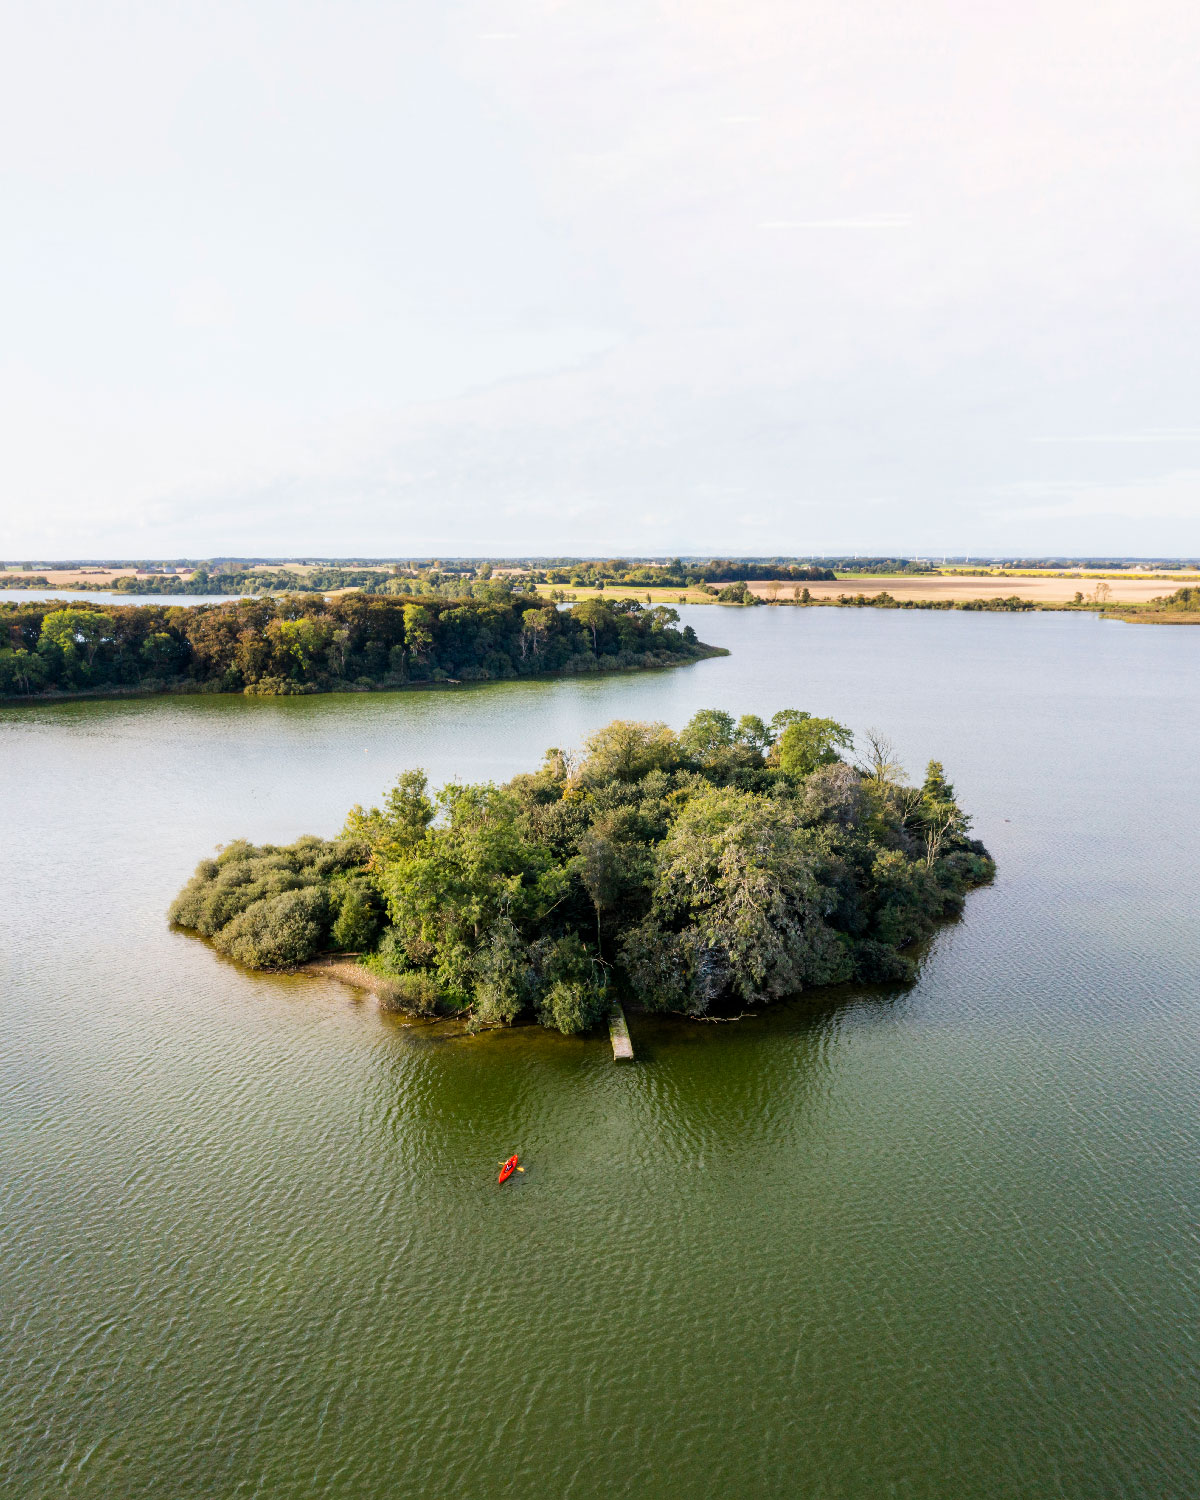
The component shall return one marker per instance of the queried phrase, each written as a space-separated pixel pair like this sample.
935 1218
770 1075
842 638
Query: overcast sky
753 277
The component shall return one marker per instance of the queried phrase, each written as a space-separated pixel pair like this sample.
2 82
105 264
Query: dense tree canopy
307 644
590 572
732 863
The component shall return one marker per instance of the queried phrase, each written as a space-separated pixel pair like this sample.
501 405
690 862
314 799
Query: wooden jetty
618 1030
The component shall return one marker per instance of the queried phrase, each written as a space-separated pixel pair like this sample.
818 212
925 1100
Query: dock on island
618 1030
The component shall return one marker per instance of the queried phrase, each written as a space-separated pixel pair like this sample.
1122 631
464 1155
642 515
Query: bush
223 888
572 999
413 994
278 932
876 963
389 956
572 1006
275 687
657 965
736 593
504 986
357 923
236 899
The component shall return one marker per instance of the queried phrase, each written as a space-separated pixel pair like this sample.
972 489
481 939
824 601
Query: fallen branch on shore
746 1015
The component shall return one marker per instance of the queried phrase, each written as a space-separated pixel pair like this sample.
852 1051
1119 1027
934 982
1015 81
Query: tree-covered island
309 644
732 863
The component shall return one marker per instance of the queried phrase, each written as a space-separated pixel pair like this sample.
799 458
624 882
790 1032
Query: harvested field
58 578
1039 590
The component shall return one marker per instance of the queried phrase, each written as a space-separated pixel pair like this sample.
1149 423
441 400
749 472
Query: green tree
626 751
939 815
572 994
706 732
21 671
162 651
78 633
786 716
504 978
740 873
418 632
753 732
393 829
536 626
811 743
737 593
356 926
472 867
305 641
611 863
594 615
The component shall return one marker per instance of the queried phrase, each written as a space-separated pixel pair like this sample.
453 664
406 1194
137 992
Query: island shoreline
702 651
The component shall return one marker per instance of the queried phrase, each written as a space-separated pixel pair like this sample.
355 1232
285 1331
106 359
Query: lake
930 1242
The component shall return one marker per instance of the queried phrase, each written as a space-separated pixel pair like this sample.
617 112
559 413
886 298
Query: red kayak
509 1167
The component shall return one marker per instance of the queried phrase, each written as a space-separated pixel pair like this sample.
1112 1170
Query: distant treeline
306 644
249 581
226 579
738 593
392 576
884 600
677 574
238 581
1101 564
888 565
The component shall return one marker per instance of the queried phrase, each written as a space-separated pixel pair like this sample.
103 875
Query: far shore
1037 590
1042 590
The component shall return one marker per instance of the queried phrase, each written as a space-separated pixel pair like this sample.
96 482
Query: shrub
876 963
736 593
504 986
572 1006
414 994
279 931
657 965
357 923
572 999
275 687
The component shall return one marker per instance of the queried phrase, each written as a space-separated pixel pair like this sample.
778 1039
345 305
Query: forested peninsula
731 864
309 644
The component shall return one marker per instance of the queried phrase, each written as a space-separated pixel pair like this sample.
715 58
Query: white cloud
627 285
1164 435
869 221
1174 496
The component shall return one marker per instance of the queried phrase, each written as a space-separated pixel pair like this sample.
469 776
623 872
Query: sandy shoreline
349 970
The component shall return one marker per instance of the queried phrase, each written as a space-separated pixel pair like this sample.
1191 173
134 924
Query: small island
729 865
298 644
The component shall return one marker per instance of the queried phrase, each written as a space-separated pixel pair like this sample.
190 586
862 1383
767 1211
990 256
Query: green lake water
935 1242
